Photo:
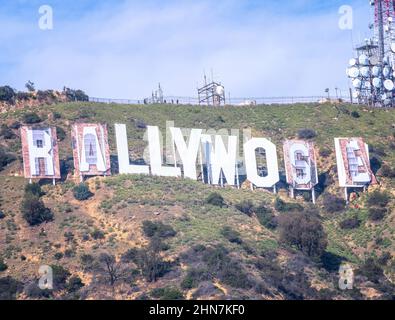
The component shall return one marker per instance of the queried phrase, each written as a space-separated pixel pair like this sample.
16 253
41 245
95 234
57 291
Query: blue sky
123 48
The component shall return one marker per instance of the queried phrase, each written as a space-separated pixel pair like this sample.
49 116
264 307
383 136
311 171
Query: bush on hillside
246 207
9 288
74 284
60 133
351 223
6 132
34 189
282 206
377 214
371 270
167 293
305 232
15 125
5 158
386 171
378 198
355 114
3 266
158 229
31 118
325 152
76 95
231 235
34 211
81 192
307 134
60 276
7 94
2 215
216 199
333 204
266 217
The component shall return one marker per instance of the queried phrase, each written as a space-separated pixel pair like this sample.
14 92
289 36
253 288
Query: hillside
206 249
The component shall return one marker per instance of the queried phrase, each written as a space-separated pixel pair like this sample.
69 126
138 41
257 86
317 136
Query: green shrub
371 270
60 134
150 262
333 204
9 288
355 114
60 276
215 199
76 95
282 206
2 215
5 159
7 94
130 255
34 211
81 192
194 277
58 256
167 293
3 266
378 198
158 229
351 223
6 132
387 172
74 284
266 217
231 235
97 234
246 207
307 134
34 189
305 232
15 125
377 214
325 152
56 115
31 118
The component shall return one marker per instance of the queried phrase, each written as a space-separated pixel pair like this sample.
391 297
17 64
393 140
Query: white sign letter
188 154
251 164
123 153
155 152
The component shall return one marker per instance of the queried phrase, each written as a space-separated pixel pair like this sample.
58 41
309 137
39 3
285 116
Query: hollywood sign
216 158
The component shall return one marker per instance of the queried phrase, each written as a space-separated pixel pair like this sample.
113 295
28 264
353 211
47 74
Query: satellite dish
376 71
353 62
365 72
374 60
219 90
393 47
389 85
377 82
367 85
363 59
357 83
353 72
386 72
356 94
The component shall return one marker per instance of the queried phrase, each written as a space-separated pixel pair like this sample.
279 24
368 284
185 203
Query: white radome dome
219 90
